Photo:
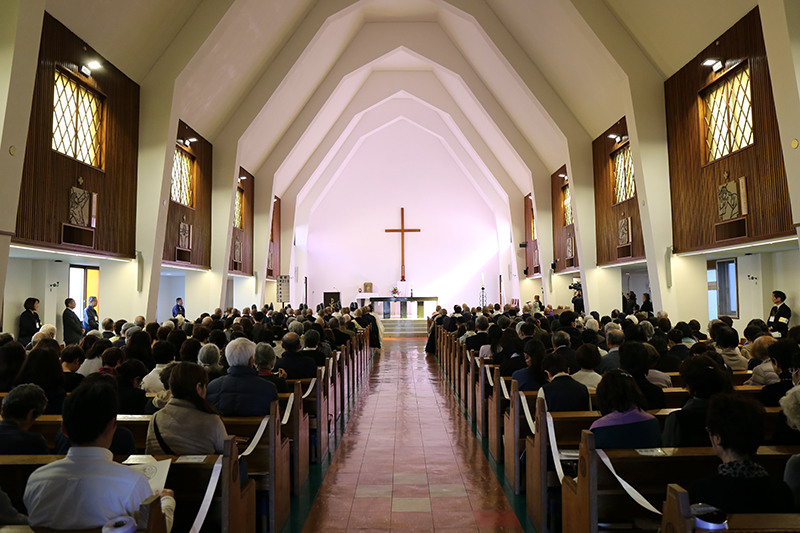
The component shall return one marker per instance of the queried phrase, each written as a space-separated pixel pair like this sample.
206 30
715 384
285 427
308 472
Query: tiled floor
409 461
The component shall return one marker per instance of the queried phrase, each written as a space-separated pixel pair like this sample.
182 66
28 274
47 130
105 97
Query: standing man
90 315
73 330
779 316
178 309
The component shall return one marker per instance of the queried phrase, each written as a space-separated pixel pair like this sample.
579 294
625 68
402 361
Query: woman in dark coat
29 322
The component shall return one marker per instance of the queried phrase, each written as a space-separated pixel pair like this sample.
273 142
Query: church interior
238 153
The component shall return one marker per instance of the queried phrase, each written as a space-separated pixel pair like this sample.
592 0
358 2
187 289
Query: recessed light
85 70
710 62
94 65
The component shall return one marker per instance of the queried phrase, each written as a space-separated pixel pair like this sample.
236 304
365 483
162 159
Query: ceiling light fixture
562 176
716 67
710 62
85 70
192 139
94 65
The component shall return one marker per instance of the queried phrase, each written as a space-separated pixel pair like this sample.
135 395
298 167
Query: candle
482 283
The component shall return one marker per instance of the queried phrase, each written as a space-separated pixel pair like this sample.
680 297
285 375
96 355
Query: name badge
783 320
771 319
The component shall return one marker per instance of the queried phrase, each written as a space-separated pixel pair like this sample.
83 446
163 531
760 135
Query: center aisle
409 460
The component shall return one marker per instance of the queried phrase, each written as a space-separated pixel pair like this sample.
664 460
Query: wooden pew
188 480
678 517
334 403
471 383
738 378
315 402
483 392
568 428
150 520
295 428
594 496
496 405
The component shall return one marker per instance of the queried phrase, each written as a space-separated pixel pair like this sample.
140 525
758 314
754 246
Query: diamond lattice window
77 121
567 206
624 187
238 212
728 115
182 190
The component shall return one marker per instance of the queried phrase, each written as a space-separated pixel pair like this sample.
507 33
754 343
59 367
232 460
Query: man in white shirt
87 488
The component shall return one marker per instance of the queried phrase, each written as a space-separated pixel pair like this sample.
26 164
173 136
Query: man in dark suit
178 308
562 393
561 341
293 361
90 315
311 338
515 357
480 338
73 331
21 407
780 314
340 337
610 361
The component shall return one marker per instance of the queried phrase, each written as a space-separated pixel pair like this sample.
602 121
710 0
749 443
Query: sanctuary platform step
405 327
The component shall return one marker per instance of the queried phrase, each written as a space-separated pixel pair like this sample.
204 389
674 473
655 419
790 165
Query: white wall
18 287
638 282
401 166
171 287
244 292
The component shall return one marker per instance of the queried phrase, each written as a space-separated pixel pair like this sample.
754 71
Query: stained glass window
238 211
624 187
567 206
182 190
77 121
728 115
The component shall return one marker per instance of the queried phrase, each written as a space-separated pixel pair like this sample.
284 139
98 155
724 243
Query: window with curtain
728 115
238 211
567 206
726 286
77 121
624 187
182 190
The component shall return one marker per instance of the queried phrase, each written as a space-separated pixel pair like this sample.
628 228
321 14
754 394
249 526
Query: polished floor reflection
409 460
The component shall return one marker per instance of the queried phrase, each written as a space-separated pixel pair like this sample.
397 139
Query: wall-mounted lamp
562 176
94 65
85 70
715 64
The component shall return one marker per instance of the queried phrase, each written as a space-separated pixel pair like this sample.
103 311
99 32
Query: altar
387 302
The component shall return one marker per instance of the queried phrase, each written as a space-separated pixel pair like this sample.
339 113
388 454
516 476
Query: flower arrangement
395 291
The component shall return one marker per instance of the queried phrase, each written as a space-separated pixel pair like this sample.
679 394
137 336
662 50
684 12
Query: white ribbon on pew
310 387
209 495
323 373
503 387
256 437
527 412
632 492
551 433
288 412
489 375
330 366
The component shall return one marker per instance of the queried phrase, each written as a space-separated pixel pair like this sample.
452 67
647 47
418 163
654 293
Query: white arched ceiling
430 123
469 40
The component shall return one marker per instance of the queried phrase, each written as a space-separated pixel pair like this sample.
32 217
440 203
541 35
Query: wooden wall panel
245 234
199 216
532 257
693 183
561 232
607 212
48 175
275 241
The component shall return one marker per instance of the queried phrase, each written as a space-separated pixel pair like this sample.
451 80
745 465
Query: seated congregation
632 382
191 384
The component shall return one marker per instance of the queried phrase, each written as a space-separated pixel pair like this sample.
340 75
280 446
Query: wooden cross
402 231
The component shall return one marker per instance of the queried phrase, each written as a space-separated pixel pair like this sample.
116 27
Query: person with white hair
241 392
209 360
